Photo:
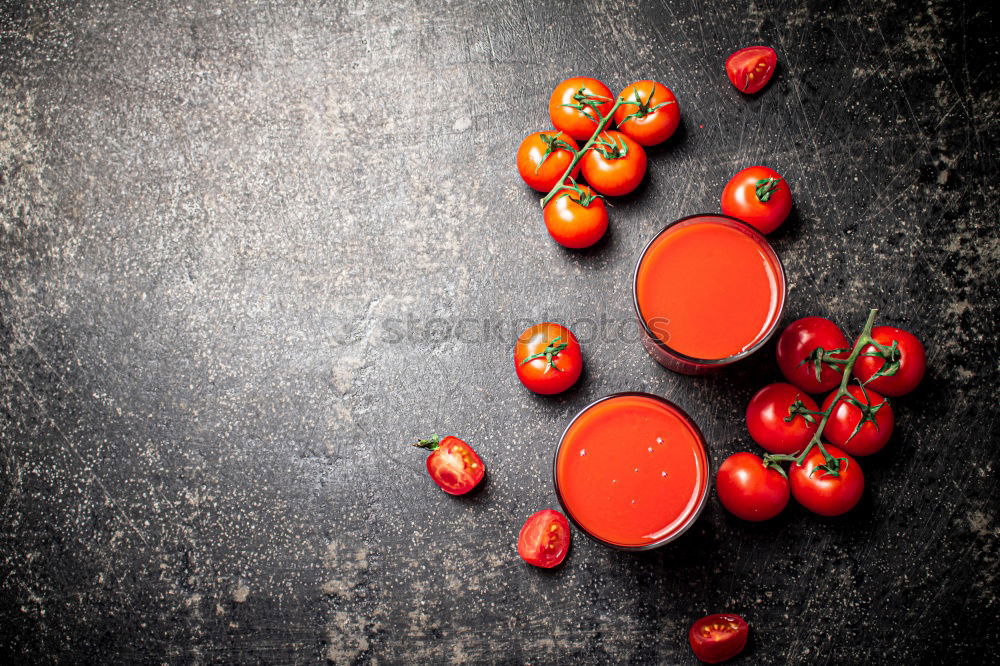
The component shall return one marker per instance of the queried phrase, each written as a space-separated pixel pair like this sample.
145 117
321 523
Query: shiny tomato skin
912 362
716 638
579 123
615 177
844 419
823 493
750 491
455 467
750 68
544 539
652 125
573 225
740 199
798 341
539 375
766 416
543 174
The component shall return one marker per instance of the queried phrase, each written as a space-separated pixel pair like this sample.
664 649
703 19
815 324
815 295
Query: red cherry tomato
910 361
751 68
453 464
777 418
799 349
650 114
544 539
759 196
716 638
876 421
822 492
543 158
548 359
749 490
615 164
576 217
577 104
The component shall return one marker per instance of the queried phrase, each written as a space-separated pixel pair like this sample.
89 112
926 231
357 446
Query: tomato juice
708 290
631 471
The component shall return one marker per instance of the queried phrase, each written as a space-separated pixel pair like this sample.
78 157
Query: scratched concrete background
250 250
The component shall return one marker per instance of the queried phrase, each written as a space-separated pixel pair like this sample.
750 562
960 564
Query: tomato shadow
478 495
790 229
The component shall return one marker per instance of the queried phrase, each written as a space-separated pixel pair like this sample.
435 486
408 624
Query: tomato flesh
453 465
750 69
544 539
716 638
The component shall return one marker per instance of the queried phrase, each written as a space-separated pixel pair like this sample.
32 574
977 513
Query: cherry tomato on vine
544 539
543 158
576 217
577 104
759 196
749 490
751 68
650 114
716 638
547 358
452 464
799 354
828 492
615 164
778 418
866 412
909 359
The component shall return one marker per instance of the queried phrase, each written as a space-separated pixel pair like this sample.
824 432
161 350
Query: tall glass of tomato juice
631 471
708 290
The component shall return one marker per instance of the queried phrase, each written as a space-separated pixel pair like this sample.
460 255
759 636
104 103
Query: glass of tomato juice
631 471
708 290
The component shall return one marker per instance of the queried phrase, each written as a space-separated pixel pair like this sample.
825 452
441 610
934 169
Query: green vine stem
832 464
583 151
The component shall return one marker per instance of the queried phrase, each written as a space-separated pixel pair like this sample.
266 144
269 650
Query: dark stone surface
216 220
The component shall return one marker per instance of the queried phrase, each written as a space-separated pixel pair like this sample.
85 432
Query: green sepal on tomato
749 489
577 217
543 157
453 465
548 358
544 539
861 423
898 368
759 196
827 488
782 418
615 164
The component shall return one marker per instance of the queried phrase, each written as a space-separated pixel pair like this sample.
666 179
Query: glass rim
693 516
762 241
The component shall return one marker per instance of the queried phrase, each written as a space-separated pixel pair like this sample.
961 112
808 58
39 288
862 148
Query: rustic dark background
250 250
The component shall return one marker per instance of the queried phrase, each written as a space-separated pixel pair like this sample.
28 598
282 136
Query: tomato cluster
855 419
612 162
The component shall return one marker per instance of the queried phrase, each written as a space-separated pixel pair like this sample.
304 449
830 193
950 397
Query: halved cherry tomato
751 68
615 164
861 424
778 418
757 195
749 490
909 360
716 638
650 114
828 492
576 105
453 464
544 539
576 217
543 158
802 349
547 358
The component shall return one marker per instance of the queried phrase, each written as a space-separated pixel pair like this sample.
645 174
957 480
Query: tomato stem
583 151
431 443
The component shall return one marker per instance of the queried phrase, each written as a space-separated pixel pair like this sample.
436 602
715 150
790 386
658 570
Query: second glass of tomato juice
708 290
631 471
